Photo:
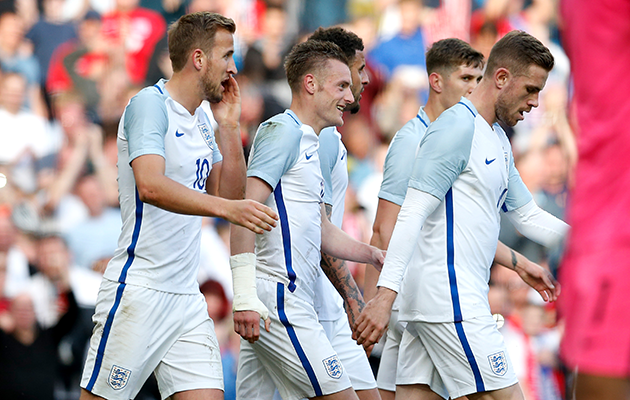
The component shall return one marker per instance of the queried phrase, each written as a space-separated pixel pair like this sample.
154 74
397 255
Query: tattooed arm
533 274
337 246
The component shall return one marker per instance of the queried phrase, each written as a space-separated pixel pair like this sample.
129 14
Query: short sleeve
444 152
275 150
399 161
328 152
146 123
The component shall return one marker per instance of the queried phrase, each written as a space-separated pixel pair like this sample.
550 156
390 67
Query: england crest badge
333 367
118 377
498 363
206 134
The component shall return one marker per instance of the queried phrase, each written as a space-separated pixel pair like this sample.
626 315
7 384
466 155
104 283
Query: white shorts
386 376
415 366
138 331
469 356
295 357
351 354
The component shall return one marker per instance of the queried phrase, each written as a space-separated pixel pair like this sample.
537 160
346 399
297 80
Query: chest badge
206 134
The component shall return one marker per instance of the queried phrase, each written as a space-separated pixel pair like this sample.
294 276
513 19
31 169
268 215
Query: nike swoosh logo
178 134
309 157
489 162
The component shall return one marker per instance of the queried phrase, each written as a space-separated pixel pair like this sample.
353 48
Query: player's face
460 82
360 79
334 93
520 95
220 65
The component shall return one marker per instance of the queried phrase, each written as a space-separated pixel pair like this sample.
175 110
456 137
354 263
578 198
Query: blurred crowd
69 67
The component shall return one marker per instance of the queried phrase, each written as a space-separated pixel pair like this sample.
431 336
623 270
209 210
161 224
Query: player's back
157 248
285 156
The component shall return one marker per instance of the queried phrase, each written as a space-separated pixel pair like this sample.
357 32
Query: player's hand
374 318
247 325
251 214
227 112
353 310
540 279
378 258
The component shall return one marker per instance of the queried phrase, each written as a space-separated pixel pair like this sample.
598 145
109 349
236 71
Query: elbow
147 194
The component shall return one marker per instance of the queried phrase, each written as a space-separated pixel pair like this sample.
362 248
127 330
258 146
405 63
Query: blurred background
69 67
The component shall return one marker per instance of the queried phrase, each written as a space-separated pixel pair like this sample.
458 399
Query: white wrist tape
244 280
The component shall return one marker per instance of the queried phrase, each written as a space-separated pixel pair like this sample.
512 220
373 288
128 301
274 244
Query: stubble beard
212 90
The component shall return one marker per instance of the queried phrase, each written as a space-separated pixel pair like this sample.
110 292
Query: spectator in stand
48 33
77 65
407 47
29 361
14 264
133 31
93 241
15 57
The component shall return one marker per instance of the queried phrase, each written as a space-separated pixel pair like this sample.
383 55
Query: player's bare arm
248 309
533 274
386 215
337 243
158 190
339 275
233 170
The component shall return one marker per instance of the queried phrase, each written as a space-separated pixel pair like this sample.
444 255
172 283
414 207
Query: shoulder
151 99
456 123
280 127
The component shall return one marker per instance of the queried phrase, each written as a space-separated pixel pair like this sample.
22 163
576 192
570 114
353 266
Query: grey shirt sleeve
328 151
399 162
275 150
146 123
443 153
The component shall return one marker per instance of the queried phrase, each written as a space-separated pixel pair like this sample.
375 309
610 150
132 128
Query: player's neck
306 115
184 91
484 99
433 108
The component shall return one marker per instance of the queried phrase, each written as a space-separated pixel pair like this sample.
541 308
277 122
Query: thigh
352 356
296 353
134 328
470 356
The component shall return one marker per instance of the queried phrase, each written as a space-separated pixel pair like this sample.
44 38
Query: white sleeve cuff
416 208
538 225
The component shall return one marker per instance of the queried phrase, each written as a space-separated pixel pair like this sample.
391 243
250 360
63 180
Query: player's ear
501 77
198 59
310 83
436 82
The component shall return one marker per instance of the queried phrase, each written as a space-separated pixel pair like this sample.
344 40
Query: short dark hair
310 57
347 41
516 52
447 55
195 31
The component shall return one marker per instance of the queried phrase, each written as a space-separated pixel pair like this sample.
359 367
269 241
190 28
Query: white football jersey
285 156
159 249
468 165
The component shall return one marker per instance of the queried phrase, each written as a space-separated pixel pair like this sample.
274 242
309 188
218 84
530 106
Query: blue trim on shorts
131 255
450 256
421 120
296 343
286 235
470 356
